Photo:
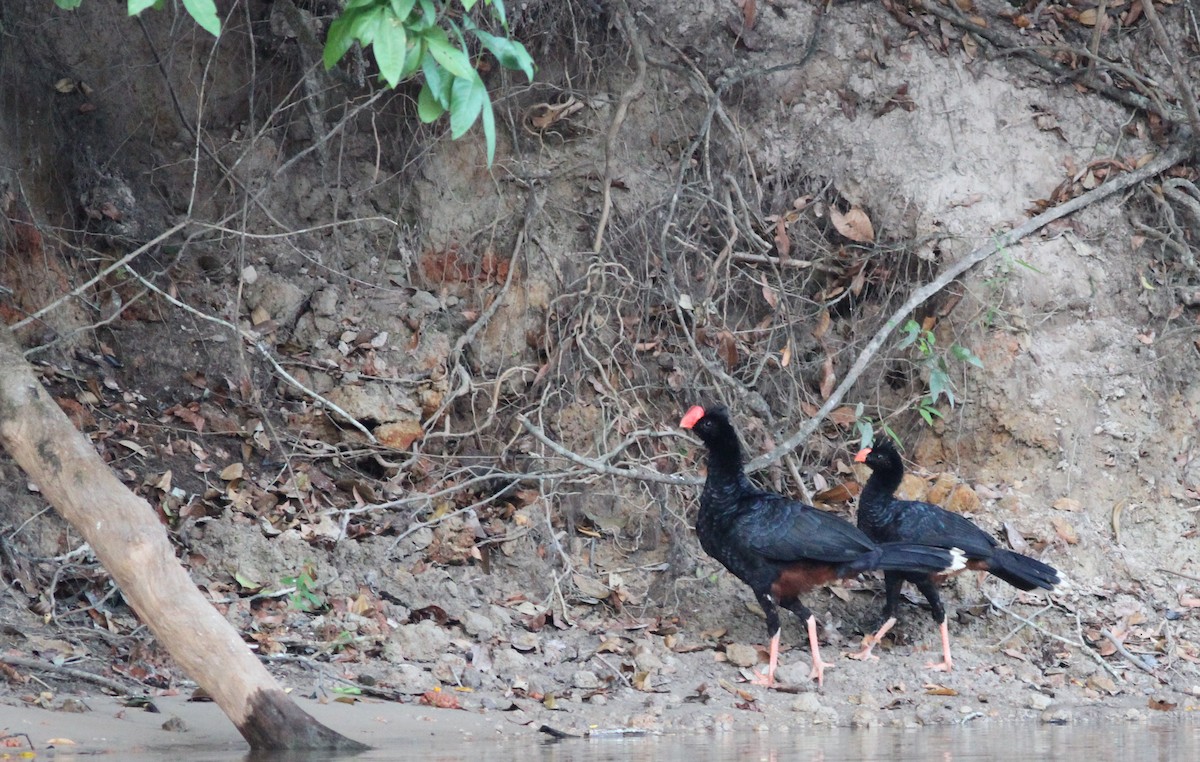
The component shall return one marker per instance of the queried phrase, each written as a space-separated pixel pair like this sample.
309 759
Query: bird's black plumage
887 519
781 547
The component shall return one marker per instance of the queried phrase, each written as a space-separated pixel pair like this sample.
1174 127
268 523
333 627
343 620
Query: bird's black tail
911 557
1023 572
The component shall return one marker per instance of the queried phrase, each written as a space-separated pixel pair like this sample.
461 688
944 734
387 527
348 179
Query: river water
1123 742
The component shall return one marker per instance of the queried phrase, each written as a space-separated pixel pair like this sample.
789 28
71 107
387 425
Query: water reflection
1126 742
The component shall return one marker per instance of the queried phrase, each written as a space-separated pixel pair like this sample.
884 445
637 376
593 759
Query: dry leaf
854 224
844 416
1160 705
824 321
933 689
783 244
1067 504
785 357
827 377
1088 17
770 296
232 471
727 349
1064 530
838 493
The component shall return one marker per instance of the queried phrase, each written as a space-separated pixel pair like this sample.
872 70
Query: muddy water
1080 743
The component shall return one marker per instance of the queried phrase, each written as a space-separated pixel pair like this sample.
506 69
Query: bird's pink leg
768 680
818 666
870 641
947 663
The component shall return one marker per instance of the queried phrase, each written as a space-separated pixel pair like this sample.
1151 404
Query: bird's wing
786 530
925 523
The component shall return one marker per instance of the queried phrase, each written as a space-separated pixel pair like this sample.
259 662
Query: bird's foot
818 671
869 643
945 666
765 679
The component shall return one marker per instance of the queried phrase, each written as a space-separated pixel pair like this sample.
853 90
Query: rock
1039 701
449 669
585 680
962 500
794 672
807 703
645 660
940 490
411 680
477 625
864 718
280 299
399 435
506 663
175 725
524 641
1058 714
325 302
423 641
741 655
912 487
74 705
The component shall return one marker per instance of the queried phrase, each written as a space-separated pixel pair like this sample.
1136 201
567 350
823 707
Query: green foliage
866 428
203 11
934 361
304 598
407 36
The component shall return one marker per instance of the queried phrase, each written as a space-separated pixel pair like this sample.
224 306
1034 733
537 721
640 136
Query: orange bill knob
692 416
861 457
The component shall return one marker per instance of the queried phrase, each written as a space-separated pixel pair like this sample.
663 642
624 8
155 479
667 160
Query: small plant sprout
940 385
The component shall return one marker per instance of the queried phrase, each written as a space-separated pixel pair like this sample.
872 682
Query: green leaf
468 4
939 384
510 53
467 98
866 433
402 8
966 355
498 12
437 79
366 23
452 59
205 13
428 108
414 52
924 411
137 6
911 331
68 5
390 48
489 127
339 38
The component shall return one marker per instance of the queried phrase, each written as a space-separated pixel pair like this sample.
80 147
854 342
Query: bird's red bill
861 457
692 416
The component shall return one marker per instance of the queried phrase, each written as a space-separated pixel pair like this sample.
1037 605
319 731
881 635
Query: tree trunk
128 538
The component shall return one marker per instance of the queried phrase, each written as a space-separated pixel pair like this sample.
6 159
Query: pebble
175 725
585 680
449 669
1057 715
1039 701
741 655
477 625
864 718
423 641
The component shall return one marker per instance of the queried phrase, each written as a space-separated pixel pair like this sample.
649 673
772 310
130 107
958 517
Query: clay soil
677 214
